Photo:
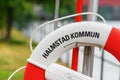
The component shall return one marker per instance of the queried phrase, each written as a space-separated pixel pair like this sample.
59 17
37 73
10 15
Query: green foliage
7 73
13 55
20 12
10 3
23 15
66 7
22 9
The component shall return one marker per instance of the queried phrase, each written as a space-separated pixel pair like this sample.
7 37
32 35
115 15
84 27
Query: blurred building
109 9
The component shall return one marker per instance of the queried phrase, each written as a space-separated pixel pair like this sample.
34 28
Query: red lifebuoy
87 32
33 72
113 43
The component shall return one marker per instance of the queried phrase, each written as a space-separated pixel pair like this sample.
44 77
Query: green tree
20 10
10 12
66 7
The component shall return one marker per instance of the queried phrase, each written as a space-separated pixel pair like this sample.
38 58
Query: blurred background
18 18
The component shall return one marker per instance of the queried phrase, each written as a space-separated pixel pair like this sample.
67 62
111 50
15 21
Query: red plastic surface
79 7
74 65
113 43
33 72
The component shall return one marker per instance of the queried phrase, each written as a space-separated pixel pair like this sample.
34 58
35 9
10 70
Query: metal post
56 15
75 51
119 72
102 65
57 4
89 51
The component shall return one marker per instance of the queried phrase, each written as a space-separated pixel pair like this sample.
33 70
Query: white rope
62 18
15 72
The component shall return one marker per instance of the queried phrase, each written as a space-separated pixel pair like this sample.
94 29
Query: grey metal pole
57 5
56 15
89 51
119 72
102 65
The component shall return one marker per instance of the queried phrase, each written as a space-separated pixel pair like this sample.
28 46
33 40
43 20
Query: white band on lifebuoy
58 72
70 36
66 38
